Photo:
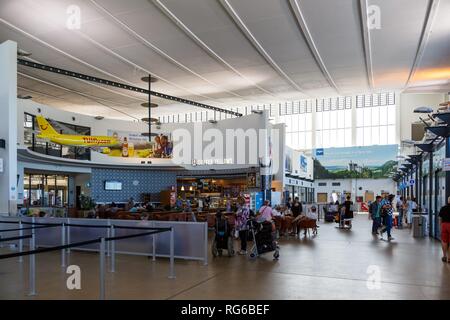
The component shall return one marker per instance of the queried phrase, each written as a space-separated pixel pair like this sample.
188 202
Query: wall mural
371 162
135 145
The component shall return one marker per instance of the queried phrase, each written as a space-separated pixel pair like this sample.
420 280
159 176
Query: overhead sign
412 182
319 152
446 164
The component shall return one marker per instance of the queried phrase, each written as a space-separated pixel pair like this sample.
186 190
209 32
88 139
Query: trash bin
418 224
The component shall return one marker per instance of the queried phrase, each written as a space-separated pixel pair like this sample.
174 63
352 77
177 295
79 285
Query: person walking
386 216
444 215
376 215
242 216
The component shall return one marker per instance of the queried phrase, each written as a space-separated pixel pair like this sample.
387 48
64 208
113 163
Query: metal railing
65 247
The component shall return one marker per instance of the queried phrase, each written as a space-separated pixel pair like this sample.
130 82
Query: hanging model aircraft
47 132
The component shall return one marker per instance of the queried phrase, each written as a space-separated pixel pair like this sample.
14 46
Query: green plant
86 202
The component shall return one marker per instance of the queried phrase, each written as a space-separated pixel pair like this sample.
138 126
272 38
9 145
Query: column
8 127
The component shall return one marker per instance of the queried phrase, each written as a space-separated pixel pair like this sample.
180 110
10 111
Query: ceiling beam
311 44
116 55
122 86
153 47
85 95
204 46
426 31
248 34
366 40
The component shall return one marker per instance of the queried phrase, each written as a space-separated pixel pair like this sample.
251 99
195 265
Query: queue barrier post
205 258
154 243
20 240
102 269
68 234
32 268
108 235
172 255
113 250
63 243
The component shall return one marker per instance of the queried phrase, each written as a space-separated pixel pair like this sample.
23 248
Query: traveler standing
289 203
409 208
296 209
400 213
386 215
265 212
444 215
242 216
376 215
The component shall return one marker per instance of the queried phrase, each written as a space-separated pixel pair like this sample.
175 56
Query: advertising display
135 145
372 162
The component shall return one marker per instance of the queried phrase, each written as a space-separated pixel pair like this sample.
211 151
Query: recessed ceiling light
99 118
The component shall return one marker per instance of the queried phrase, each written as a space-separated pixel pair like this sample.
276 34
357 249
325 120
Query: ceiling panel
395 44
335 27
434 67
226 70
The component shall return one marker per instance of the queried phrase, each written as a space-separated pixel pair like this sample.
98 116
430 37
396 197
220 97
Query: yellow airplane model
47 132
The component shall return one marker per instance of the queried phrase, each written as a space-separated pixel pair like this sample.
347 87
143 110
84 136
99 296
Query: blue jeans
376 222
400 218
387 222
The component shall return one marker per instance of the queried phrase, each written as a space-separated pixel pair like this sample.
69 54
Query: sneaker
390 238
444 259
242 252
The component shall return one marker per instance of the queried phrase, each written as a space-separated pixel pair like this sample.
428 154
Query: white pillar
8 127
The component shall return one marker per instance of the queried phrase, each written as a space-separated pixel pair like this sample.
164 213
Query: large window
330 120
334 122
298 119
52 149
375 119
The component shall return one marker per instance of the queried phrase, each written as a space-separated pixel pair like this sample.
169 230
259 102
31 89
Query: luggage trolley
263 239
343 219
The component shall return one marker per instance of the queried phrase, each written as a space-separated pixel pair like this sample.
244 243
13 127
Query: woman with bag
241 227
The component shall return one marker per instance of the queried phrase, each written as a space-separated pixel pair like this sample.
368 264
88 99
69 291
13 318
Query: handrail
32 252
15 238
137 235
42 250
27 228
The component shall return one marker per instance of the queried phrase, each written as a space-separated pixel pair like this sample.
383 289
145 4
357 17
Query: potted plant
87 205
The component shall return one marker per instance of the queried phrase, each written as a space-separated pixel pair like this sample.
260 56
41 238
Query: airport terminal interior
225 149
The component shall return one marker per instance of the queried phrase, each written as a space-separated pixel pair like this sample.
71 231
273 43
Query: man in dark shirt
444 214
296 209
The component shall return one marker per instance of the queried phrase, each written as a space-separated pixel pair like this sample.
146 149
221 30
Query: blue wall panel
134 183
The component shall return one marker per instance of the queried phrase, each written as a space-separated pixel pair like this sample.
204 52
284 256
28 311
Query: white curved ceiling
228 53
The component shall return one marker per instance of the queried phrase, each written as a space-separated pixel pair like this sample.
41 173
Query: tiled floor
332 265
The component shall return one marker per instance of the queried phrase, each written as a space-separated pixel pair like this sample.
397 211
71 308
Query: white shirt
276 213
311 215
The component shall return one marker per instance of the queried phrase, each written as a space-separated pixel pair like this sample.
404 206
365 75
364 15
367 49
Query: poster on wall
135 145
371 162
303 164
253 180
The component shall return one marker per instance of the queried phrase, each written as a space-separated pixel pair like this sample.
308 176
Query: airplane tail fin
45 128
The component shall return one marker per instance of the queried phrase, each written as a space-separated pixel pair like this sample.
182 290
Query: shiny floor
335 264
